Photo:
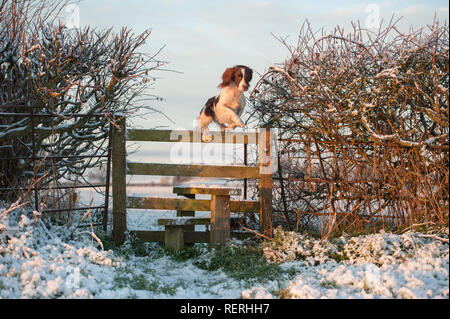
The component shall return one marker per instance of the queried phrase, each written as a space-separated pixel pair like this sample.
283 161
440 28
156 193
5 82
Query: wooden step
191 220
184 221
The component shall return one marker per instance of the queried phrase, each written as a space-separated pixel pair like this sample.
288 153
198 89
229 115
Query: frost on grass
381 265
36 262
42 261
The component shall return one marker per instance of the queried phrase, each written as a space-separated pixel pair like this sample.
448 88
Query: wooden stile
187 206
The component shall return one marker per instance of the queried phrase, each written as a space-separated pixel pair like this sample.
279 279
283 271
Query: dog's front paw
207 138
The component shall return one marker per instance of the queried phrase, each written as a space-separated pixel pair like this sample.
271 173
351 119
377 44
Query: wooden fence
121 167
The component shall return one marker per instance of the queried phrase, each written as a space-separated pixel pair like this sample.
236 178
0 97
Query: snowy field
41 262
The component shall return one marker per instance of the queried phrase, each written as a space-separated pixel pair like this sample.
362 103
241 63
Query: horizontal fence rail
231 171
188 204
187 136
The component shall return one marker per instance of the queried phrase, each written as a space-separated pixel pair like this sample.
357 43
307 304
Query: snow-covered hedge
380 265
56 72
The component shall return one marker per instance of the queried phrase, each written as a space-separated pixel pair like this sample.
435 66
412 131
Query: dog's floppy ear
227 77
248 74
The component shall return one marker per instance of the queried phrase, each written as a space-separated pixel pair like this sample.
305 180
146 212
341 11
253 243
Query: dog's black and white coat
226 108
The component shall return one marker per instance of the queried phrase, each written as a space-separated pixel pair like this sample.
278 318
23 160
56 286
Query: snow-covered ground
41 262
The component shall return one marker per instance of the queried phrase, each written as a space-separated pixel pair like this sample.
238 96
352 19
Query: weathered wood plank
231 171
145 135
220 219
168 203
174 237
183 221
244 206
119 183
265 182
206 190
247 206
183 213
235 219
218 186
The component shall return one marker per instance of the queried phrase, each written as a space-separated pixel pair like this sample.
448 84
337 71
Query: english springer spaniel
226 108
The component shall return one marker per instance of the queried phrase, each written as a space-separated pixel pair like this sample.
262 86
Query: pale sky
202 38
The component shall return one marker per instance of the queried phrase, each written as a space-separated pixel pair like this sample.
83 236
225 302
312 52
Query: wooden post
174 237
265 182
108 178
220 219
245 179
119 183
184 213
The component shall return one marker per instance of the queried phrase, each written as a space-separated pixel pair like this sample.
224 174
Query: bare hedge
363 122
48 69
